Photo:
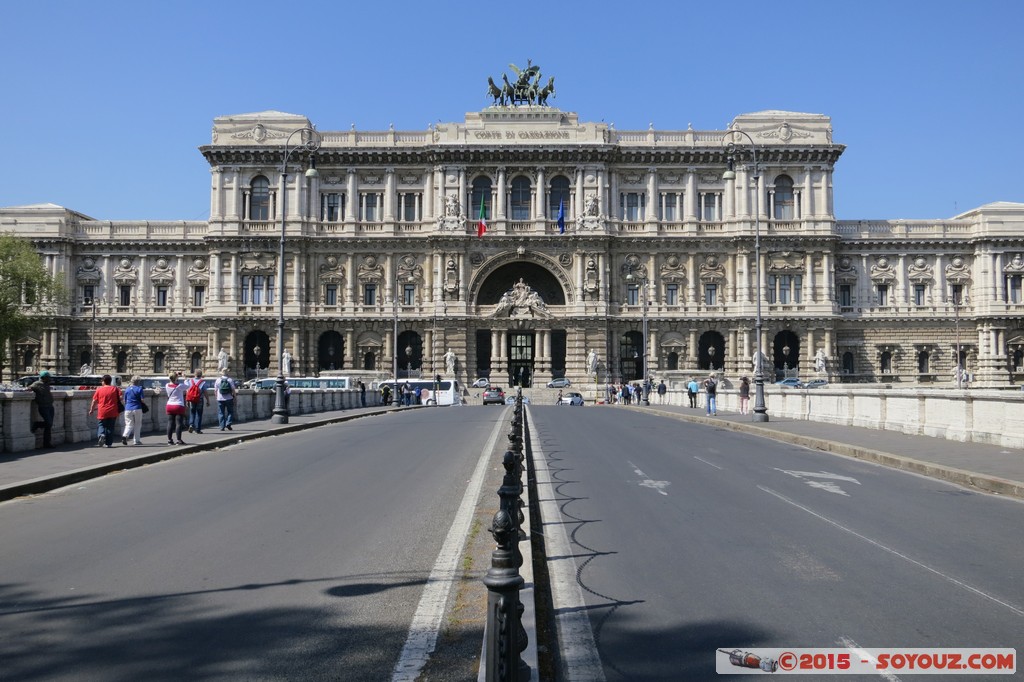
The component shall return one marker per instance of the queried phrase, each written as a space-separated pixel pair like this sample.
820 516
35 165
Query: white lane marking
959 583
864 655
708 463
827 486
426 622
819 474
576 639
647 482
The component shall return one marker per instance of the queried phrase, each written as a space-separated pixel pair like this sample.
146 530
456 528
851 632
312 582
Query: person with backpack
176 410
711 388
226 393
195 397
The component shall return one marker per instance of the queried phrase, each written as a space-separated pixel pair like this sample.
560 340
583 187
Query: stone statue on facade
521 301
286 362
222 359
820 361
753 361
449 362
591 362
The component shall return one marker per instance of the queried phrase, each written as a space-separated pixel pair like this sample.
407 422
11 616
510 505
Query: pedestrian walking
691 392
711 388
559 401
744 395
133 402
195 396
44 405
662 390
362 394
385 394
176 410
226 392
106 401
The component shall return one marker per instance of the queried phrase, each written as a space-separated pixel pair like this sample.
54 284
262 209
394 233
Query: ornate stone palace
591 235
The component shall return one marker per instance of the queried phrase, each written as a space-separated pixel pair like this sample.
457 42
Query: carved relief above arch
538 270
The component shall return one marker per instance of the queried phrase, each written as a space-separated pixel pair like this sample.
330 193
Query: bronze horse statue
494 91
545 92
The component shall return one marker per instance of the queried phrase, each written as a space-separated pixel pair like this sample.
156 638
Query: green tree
28 294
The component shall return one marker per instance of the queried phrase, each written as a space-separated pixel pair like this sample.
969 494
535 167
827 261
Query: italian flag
481 225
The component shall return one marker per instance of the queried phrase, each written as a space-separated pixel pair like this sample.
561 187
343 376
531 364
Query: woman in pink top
176 409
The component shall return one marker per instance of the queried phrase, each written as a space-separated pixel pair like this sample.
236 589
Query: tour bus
325 383
448 391
72 382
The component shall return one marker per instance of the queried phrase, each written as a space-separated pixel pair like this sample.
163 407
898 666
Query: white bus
324 383
448 391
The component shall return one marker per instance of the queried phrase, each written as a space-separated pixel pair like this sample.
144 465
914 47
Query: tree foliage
28 294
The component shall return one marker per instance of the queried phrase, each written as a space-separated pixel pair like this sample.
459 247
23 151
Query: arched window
784 198
848 363
481 194
259 199
886 362
559 195
519 206
370 361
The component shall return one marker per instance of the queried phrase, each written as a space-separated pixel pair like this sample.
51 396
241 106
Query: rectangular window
88 294
199 296
710 294
256 289
771 294
369 294
669 211
408 203
709 207
919 294
408 294
161 297
957 293
258 283
845 296
785 287
125 291
882 290
1013 289
672 294
633 294
372 204
331 294
632 205
331 206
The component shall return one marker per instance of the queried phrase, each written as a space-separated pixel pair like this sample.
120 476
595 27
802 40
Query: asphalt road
293 557
669 540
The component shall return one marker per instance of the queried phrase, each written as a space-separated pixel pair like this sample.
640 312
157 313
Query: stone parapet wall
73 424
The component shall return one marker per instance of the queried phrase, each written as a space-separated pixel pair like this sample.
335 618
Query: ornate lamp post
310 142
760 409
643 358
408 362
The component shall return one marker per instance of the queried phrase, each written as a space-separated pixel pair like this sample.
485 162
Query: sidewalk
990 468
38 471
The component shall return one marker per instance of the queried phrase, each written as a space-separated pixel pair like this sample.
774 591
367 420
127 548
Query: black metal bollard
506 637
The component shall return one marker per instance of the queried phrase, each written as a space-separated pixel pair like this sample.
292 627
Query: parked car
561 382
494 395
789 382
572 398
482 382
815 383
511 400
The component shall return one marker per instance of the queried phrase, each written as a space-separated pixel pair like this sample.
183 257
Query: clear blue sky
105 103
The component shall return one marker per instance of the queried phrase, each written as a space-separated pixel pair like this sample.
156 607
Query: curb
45 484
969 479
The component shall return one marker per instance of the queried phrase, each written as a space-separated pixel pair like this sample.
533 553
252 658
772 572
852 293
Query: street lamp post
760 409
646 387
310 142
92 340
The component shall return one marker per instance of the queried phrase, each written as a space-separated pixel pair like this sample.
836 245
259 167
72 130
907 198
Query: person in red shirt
105 401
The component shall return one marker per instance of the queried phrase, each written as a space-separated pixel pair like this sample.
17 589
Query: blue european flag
561 216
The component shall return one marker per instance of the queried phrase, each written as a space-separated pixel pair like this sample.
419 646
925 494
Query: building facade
519 242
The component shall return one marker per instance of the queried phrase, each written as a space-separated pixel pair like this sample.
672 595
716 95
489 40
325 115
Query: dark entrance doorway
520 358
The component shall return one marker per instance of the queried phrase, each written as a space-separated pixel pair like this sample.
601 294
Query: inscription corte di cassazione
522 135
